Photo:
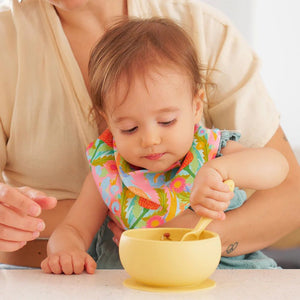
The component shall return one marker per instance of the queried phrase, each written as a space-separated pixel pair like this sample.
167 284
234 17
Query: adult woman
46 126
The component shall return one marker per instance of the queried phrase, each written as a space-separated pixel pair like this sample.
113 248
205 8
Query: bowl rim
213 234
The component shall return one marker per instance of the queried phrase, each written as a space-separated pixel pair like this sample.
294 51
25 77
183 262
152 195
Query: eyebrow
163 110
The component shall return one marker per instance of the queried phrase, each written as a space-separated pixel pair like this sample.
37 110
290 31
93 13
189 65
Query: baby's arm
253 168
68 243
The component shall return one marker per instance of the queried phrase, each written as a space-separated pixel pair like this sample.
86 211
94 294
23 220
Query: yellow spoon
195 233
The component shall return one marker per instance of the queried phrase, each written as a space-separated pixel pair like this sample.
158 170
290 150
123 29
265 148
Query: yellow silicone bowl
169 263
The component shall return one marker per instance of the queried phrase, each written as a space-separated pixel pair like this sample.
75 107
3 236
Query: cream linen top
44 104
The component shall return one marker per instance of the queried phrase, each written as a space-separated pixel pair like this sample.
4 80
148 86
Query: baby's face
153 122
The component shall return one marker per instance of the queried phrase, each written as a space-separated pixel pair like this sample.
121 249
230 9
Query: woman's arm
68 244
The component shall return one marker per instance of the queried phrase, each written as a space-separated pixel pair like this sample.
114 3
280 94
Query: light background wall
272 28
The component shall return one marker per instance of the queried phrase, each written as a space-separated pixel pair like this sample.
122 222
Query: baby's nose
150 138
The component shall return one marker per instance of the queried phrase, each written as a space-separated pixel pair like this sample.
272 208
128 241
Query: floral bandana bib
139 198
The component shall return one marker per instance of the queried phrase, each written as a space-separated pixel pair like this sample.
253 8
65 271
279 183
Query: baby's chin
156 166
161 169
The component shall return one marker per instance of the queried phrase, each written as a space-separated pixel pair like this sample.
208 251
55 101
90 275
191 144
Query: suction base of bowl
131 283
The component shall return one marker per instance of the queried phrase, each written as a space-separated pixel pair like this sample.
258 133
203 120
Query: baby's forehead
158 91
158 79
147 77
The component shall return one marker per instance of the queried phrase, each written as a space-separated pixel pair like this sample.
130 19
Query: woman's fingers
39 197
116 230
12 218
46 202
8 246
12 197
16 229
115 227
19 208
10 234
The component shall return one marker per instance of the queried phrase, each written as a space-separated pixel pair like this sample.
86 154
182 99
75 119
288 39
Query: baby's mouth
154 156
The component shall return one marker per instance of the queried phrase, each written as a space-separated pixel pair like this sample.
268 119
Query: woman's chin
69 5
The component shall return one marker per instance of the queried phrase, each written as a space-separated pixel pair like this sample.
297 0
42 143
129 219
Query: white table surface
107 284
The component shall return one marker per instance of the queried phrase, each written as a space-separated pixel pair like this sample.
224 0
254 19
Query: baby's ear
198 105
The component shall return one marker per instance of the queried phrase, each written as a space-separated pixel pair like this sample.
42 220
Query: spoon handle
230 184
202 223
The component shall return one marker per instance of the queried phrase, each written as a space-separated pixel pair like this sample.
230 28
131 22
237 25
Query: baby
148 85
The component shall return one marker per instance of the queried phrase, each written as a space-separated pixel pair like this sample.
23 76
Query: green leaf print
184 197
136 209
163 201
145 210
124 205
100 161
125 166
204 146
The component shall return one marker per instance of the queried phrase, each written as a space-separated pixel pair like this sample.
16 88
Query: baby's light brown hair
131 47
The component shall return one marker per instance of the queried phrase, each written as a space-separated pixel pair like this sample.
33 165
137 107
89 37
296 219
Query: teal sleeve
226 136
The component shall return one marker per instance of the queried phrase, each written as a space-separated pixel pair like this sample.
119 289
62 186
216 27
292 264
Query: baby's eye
129 131
168 123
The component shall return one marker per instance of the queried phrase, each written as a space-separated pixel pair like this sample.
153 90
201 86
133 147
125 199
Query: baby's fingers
208 213
220 196
81 261
212 204
69 264
51 265
90 265
66 264
47 267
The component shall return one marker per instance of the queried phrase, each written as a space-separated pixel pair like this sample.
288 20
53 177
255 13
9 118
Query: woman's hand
210 195
72 262
115 227
19 209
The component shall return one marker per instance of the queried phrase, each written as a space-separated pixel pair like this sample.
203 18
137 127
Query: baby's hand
68 263
210 196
